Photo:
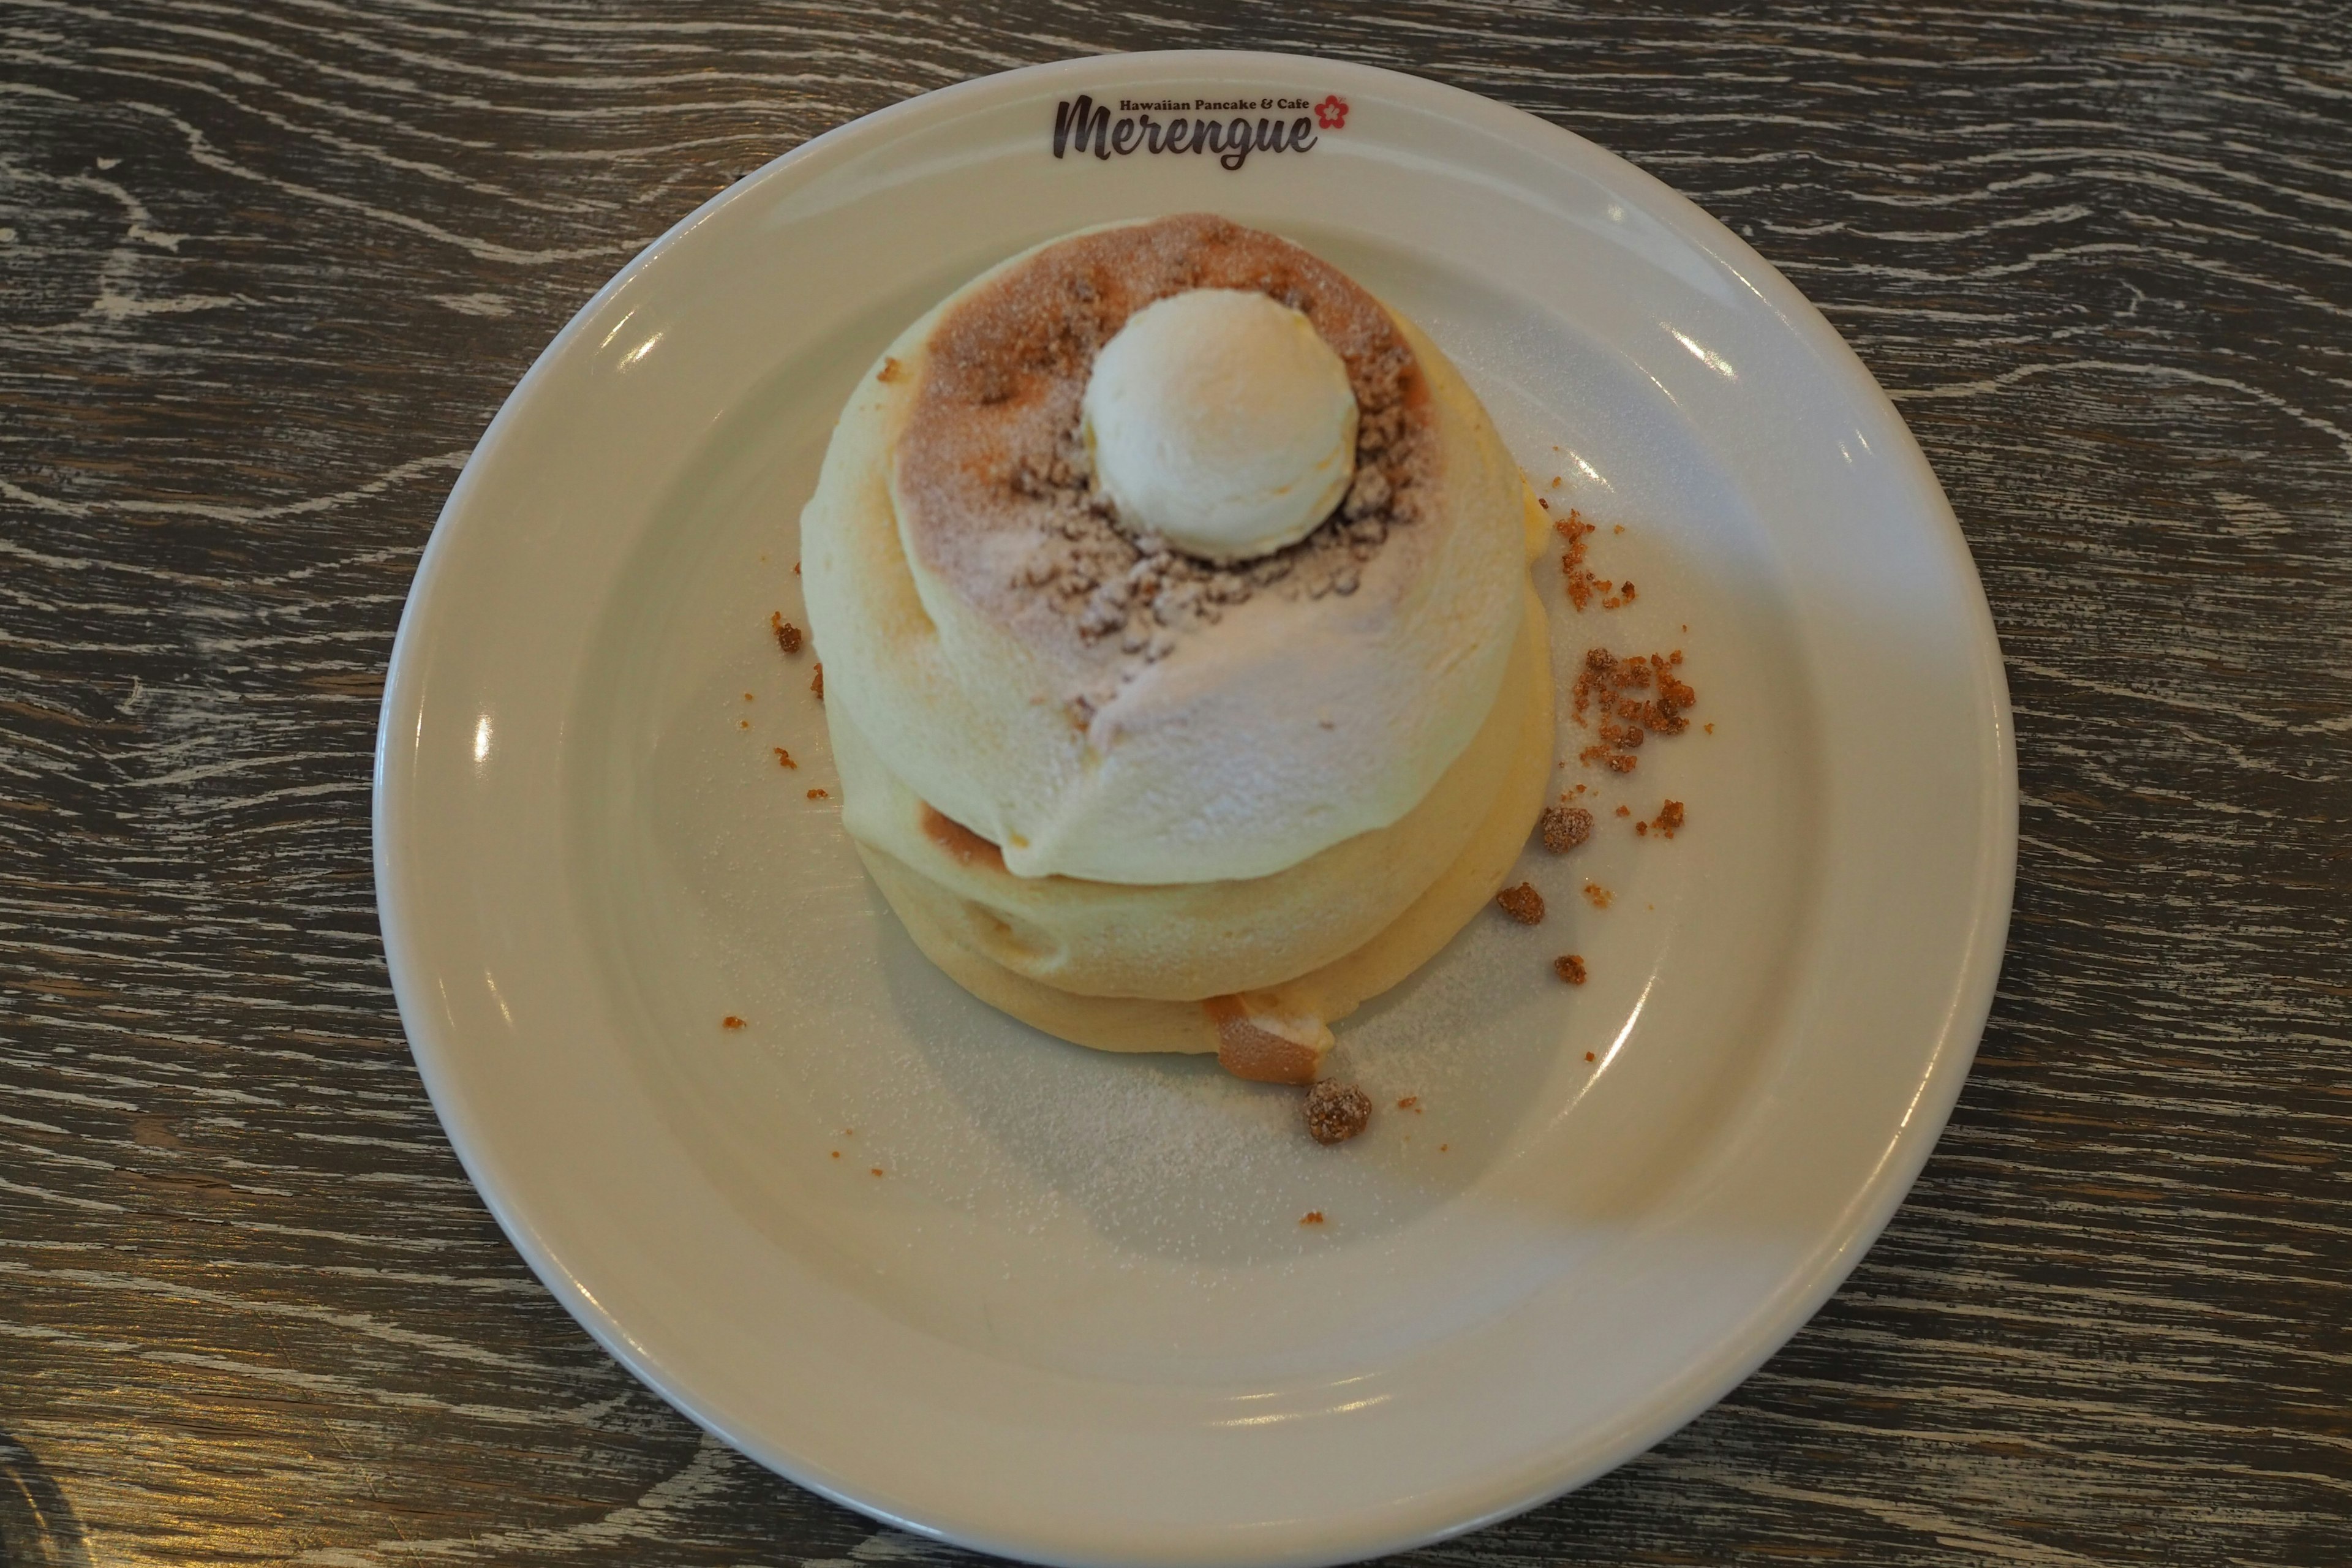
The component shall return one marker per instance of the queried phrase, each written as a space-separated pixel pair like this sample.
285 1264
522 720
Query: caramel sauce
968 848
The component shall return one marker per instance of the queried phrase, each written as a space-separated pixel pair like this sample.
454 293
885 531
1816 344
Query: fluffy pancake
1105 711
1185 940
1226 1024
1148 800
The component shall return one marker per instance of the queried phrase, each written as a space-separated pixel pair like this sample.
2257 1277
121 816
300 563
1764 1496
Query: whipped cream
1219 420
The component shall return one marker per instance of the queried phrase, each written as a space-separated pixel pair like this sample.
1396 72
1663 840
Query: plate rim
1771 1322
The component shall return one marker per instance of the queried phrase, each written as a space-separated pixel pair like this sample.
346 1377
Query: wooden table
267 270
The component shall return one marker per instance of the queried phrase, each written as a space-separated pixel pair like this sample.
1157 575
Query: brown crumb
836 1153
747 697
1626 593
1522 903
731 1022
1669 818
817 682
1573 528
1642 829
1441 1148
1410 1102
788 636
1570 966
1565 828
796 572
817 795
1312 1217
891 370
1624 811
1589 1056
1619 528
1635 697
1710 728
783 757
1598 896
1337 1111
742 723
875 1169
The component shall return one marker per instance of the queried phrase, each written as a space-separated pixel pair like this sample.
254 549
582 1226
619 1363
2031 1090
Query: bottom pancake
1278 1032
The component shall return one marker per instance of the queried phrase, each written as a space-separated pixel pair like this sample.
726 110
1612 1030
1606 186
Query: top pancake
991 482
1106 707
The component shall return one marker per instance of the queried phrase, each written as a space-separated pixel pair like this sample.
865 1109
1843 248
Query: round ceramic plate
1079 1307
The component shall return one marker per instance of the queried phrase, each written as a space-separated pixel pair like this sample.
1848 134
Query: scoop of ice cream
1219 420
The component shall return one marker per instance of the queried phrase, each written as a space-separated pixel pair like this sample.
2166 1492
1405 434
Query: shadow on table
37 1527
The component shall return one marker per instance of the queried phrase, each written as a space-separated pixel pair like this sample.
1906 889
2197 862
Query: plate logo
1228 129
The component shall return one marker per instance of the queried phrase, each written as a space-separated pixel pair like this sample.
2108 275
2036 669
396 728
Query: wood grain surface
266 272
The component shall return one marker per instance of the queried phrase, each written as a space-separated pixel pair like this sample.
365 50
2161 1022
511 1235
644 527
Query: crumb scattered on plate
1337 1111
1522 903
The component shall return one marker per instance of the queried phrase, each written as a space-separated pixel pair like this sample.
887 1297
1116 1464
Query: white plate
1077 1319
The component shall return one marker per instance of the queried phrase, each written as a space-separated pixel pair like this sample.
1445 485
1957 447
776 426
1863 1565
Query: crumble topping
1565 828
1632 698
1522 903
1337 1111
1583 584
1579 579
993 481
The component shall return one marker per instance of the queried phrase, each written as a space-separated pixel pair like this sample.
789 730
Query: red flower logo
1331 114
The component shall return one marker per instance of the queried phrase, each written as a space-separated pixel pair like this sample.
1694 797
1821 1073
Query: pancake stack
1145 744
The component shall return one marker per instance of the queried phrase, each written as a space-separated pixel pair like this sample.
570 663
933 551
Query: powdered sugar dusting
996 483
